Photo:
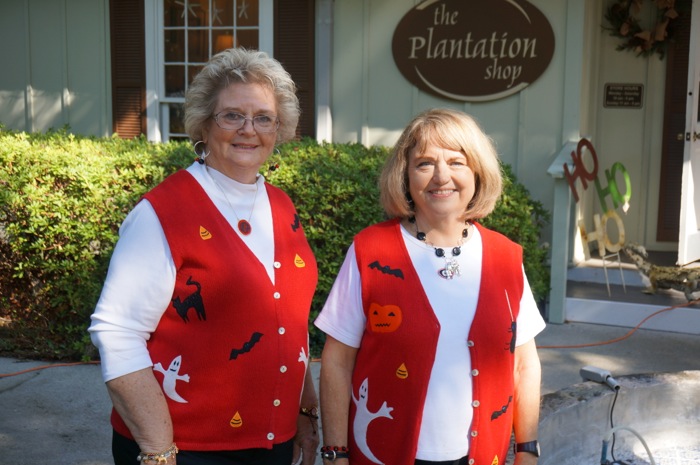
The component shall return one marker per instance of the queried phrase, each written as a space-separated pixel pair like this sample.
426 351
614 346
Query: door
689 237
674 129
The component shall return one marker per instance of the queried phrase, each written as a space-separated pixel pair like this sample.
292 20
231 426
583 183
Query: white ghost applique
363 417
170 377
303 358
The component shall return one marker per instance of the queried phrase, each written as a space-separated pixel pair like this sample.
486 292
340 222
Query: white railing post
561 235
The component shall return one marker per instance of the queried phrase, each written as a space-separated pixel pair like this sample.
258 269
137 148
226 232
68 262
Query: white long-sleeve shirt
141 276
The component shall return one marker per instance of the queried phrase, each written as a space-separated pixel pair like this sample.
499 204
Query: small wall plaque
623 95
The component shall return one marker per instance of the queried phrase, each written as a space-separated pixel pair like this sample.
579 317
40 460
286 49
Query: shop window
192 32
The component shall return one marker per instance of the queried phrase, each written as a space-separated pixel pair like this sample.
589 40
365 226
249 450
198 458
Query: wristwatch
532 447
331 455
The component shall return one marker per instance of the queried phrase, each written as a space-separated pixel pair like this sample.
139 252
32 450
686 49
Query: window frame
157 104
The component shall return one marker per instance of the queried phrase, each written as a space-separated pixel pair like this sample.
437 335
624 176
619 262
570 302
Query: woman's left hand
306 441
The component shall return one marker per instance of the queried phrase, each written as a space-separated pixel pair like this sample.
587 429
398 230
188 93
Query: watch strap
332 453
533 447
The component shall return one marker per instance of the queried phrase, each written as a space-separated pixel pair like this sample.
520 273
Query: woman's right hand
140 402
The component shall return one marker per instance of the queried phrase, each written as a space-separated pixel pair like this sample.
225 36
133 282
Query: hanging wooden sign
473 50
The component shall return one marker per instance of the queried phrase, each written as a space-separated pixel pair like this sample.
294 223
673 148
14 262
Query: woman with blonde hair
430 355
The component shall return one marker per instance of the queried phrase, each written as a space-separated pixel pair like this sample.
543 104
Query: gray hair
247 66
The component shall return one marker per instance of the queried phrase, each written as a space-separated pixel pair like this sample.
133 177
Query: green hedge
63 197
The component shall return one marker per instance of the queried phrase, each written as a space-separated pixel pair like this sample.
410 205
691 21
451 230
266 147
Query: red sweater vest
231 350
398 347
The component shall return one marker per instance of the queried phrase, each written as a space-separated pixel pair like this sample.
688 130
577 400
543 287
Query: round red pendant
244 227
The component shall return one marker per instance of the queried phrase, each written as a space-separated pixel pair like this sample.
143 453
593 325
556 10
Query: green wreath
623 16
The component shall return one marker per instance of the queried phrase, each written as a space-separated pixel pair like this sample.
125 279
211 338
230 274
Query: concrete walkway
60 415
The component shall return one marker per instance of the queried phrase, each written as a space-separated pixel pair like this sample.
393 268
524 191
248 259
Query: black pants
462 461
125 451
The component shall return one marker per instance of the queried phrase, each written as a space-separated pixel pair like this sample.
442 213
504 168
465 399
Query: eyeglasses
232 121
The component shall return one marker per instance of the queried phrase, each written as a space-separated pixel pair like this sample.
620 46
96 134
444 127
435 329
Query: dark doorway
667 228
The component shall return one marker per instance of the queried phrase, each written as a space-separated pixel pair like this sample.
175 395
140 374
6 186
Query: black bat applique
503 410
386 269
513 336
297 223
247 346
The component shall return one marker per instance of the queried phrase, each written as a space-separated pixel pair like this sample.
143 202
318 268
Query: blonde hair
452 130
247 66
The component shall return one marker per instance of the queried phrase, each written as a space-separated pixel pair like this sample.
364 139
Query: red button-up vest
393 365
231 350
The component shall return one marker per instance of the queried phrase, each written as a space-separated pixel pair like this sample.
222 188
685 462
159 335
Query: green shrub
63 197
334 188
522 219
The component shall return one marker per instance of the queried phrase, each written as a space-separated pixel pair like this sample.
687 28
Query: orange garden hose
618 339
576 346
53 365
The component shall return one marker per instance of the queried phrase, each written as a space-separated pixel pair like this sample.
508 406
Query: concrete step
620 270
629 306
613 273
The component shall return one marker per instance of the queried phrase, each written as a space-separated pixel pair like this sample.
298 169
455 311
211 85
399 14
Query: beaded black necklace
451 265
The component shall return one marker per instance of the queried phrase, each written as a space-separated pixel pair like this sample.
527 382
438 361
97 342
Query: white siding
372 101
55 57
632 137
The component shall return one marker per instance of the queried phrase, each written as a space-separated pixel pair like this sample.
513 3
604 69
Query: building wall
632 137
56 69
372 102
56 72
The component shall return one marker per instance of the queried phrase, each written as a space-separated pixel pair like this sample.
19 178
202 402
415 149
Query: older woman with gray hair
202 324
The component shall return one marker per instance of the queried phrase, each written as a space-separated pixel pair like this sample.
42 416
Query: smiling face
240 153
440 182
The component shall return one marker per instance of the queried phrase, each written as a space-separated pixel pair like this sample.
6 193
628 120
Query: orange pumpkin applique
384 318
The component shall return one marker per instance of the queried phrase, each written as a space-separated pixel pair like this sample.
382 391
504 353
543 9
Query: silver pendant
451 269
